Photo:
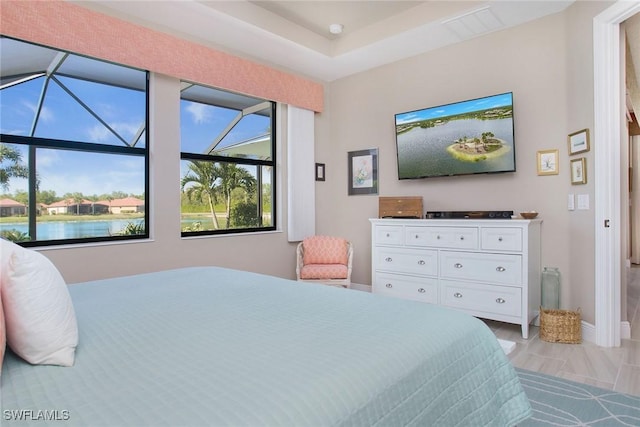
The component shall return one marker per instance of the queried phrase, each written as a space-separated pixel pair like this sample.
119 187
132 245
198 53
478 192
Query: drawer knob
500 300
457 295
421 290
388 235
499 239
388 259
461 237
421 262
438 237
417 236
500 269
389 285
457 265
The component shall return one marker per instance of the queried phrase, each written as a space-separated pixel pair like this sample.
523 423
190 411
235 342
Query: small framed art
579 171
363 172
548 162
319 171
579 142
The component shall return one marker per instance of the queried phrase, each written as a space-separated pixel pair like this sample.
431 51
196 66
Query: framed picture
579 142
319 171
548 162
579 171
363 172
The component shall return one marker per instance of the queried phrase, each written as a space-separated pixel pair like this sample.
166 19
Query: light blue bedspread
209 346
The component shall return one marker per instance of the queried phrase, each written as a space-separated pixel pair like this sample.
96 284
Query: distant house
9 207
71 207
126 205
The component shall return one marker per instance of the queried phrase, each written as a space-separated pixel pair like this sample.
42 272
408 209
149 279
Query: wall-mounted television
462 138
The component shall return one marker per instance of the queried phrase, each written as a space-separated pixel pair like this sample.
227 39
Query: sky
123 110
494 101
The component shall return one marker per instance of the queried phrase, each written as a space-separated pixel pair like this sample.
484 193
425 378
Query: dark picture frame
363 172
320 172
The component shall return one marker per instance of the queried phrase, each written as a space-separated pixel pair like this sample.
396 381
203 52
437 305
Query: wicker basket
563 326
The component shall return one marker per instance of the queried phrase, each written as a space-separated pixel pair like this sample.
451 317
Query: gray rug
558 402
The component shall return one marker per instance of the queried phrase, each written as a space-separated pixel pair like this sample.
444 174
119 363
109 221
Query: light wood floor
610 368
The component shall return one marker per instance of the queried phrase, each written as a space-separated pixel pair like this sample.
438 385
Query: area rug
559 402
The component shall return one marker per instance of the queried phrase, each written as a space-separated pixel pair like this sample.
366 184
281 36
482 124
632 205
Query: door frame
608 116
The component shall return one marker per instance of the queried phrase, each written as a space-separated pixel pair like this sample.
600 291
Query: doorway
608 125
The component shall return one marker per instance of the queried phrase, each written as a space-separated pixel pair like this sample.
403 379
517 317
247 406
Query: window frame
242 161
33 143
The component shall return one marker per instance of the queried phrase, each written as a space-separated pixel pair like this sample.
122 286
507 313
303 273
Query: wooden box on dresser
489 268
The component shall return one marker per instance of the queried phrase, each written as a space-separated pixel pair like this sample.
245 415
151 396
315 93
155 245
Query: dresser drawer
389 235
442 237
423 289
411 261
482 299
501 238
480 267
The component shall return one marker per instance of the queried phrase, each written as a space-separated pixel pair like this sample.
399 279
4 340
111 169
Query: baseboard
360 287
588 332
625 330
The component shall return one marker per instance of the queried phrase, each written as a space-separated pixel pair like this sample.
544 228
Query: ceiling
293 35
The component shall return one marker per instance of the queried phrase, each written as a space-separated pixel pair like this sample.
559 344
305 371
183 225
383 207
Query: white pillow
39 316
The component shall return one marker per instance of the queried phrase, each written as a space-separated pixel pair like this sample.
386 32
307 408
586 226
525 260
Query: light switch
571 202
583 201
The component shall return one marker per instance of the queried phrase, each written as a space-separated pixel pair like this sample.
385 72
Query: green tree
232 177
47 197
21 196
245 214
78 199
11 165
201 182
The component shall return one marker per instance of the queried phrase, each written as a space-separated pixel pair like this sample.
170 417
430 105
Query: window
73 147
227 162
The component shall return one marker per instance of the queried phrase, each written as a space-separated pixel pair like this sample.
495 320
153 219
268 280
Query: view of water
423 152
56 230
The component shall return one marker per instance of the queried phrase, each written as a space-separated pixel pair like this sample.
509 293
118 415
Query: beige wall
268 253
548 66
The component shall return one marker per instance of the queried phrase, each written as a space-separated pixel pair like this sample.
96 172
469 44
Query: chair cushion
325 250
324 271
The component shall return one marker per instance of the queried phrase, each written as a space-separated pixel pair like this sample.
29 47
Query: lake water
57 230
423 152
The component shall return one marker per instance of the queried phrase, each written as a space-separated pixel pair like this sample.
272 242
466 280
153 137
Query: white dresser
489 268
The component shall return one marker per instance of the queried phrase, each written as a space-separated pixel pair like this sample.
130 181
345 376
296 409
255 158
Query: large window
73 147
227 162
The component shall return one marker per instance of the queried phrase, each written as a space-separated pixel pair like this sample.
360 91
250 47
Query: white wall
545 63
268 253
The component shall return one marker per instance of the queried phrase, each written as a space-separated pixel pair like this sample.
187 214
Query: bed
208 346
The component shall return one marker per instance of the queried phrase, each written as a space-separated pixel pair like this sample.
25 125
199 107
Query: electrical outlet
571 202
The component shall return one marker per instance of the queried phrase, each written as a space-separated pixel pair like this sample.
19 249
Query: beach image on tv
468 137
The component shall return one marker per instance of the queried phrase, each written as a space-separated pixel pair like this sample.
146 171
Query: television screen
467 137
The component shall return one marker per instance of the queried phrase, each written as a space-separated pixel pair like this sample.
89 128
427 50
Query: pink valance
66 26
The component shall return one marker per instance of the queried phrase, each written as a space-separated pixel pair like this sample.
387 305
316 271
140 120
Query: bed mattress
208 346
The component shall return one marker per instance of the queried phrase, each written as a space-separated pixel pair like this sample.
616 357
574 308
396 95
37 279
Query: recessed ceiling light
335 28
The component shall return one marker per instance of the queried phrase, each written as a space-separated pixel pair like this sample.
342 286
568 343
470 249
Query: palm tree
204 177
14 168
485 139
78 198
232 177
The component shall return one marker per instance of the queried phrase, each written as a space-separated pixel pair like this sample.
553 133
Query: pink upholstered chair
326 260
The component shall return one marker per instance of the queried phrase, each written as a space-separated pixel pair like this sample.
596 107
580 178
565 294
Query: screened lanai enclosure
74 152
